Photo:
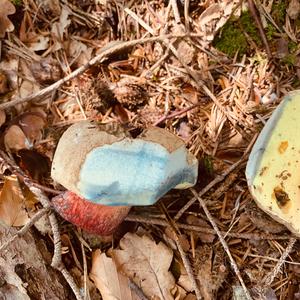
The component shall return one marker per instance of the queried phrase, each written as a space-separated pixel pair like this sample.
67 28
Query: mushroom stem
94 218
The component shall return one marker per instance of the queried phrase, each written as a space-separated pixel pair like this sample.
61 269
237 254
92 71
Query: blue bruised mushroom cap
113 169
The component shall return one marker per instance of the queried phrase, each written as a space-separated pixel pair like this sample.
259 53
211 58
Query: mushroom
106 172
272 170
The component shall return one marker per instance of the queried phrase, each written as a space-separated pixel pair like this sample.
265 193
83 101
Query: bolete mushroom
273 168
106 172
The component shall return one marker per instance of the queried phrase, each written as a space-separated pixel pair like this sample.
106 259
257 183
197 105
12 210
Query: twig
269 278
245 236
100 58
223 242
56 259
85 274
218 179
186 15
175 11
175 114
255 15
26 227
19 172
187 266
70 280
175 232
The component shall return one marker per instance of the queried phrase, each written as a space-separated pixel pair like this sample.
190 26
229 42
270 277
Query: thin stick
269 278
186 15
174 229
175 114
101 57
187 265
255 15
223 242
56 259
194 228
175 11
25 228
218 179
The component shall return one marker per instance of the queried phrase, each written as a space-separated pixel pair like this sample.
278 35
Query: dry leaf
204 237
46 71
3 83
293 9
28 88
186 52
215 16
111 283
146 264
9 67
7 8
58 28
12 204
2 117
78 53
32 125
15 139
50 6
212 271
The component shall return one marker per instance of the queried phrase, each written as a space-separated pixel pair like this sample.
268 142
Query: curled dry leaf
59 28
32 124
7 8
111 283
24 131
15 139
146 264
12 204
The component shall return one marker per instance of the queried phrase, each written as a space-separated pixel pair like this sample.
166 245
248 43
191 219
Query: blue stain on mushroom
113 169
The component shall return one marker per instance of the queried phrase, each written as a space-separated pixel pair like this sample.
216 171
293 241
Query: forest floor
210 71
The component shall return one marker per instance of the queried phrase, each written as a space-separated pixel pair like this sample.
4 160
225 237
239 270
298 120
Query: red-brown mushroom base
94 218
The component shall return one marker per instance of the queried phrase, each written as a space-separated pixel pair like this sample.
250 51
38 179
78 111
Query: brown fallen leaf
212 270
3 83
32 124
7 8
146 264
24 131
15 139
293 9
46 71
12 203
111 283
2 117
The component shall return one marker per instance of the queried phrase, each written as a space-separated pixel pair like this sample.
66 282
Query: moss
296 83
248 25
270 31
233 39
292 46
289 60
278 11
17 2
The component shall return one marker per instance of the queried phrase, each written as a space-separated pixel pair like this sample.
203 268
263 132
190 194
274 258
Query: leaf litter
154 83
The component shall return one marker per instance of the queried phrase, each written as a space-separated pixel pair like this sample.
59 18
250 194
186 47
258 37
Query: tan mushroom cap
273 168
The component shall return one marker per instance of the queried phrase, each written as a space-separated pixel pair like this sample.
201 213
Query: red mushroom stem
94 218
